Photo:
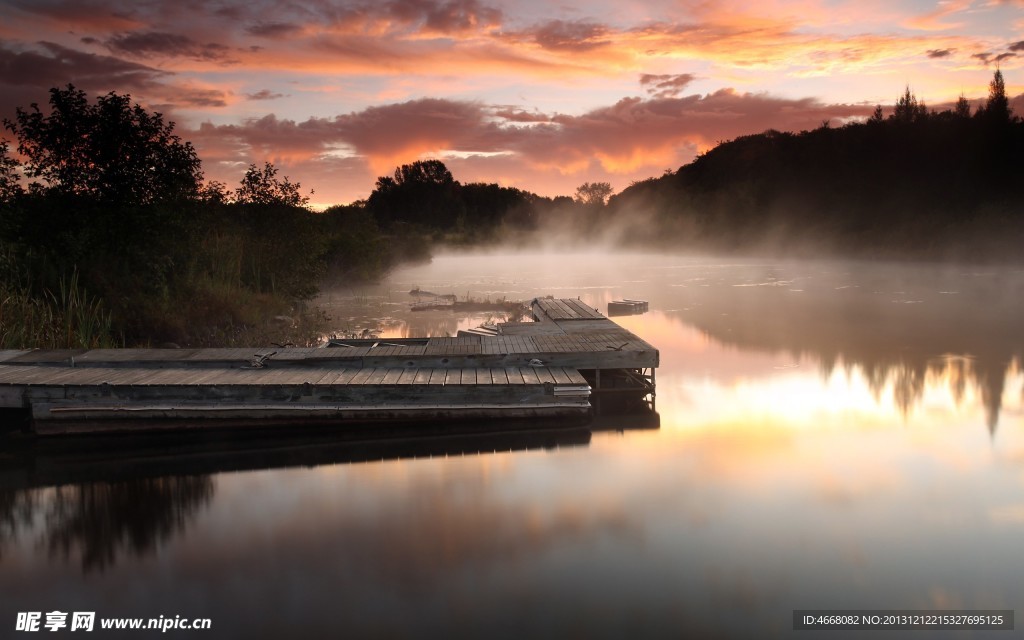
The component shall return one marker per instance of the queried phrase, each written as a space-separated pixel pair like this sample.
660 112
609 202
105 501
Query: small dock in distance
556 369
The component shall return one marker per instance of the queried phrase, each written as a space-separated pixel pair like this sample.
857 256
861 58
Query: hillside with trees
917 184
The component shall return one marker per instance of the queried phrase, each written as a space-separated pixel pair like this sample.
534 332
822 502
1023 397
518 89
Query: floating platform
548 370
627 307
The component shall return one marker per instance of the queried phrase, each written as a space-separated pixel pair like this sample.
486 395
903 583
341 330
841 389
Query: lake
833 435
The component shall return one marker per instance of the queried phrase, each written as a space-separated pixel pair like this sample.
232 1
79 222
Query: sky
538 95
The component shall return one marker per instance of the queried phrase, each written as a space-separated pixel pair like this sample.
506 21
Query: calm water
832 435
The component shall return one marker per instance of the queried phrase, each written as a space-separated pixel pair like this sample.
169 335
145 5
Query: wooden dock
548 369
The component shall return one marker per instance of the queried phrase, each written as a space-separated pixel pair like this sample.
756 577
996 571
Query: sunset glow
524 94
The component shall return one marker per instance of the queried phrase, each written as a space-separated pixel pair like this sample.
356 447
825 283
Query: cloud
264 94
635 135
940 53
571 36
56 65
78 14
454 16
666 86
149 44
988 58
274 30
1017 46
27 76
198 97
516 114
464 37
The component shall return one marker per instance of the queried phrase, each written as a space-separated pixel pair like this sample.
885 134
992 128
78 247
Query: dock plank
529 375
47 355
561 377
544 375
361 376
340 378
514 375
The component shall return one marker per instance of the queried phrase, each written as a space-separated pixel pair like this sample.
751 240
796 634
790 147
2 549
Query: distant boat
430 294
627 307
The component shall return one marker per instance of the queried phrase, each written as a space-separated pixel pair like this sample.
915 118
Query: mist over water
833 434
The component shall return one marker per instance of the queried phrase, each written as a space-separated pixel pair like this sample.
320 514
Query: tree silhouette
963 107
908 108
424 172
593 193
111 152
262 186
997 107
423 193
9 186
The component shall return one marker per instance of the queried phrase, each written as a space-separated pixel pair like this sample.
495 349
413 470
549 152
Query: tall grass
67 318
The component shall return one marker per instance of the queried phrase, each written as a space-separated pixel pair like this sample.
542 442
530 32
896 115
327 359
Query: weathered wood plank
529 375
361 376
393 376
408 376
514 375
342 377
437 376
422 376
47 355
544 375
560 376
575 377
19 374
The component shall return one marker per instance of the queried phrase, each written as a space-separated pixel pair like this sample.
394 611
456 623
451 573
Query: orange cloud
633 135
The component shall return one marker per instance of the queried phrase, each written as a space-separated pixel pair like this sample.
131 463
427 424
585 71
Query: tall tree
909 108
422 193
963 107
997 107
111 152
431 172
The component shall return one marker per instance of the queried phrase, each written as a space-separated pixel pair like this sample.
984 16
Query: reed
68 318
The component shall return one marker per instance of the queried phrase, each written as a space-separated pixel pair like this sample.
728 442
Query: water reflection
102 521
105 503
900 326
